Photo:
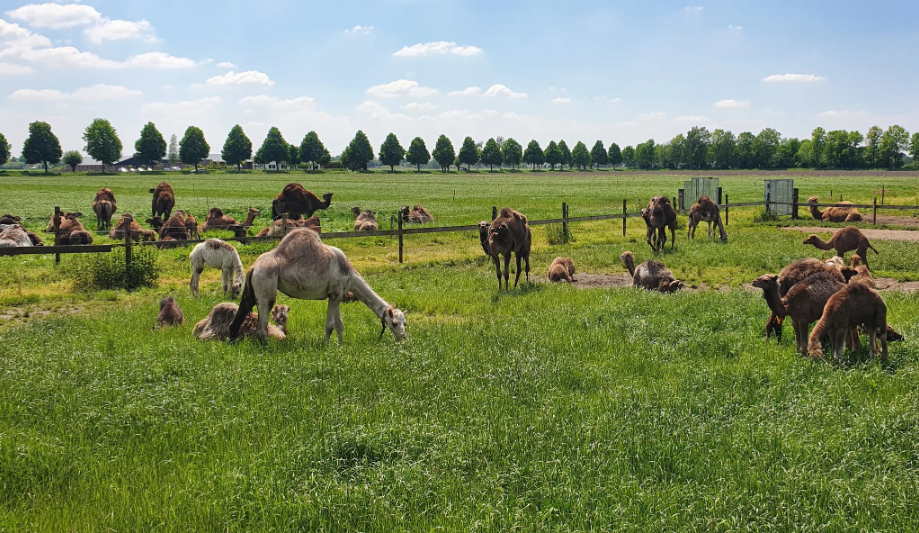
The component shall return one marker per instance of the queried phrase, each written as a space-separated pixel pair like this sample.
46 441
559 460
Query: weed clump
105 271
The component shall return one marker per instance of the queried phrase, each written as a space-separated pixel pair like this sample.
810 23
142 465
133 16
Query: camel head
394 319
327 197
356 210
403 212
215 212
893 336
813 199
483 236
812 239
155 222
10 219
254 212
279 315
673 286
765 281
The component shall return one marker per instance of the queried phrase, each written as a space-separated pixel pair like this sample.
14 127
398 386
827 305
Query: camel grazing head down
394 319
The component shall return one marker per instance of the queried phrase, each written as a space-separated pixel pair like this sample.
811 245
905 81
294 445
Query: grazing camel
217 324
104 206
14 236
509 233
303 267
705 210
651 275
847 239
561 269
276 228
170 314
364 220
660 215
216 253
855 305
417 215
804 302
834 214
163 200
296 201
792 275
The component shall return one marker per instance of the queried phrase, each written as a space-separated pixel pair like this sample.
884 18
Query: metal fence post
794 204
57 228
128 242
623 216
565 221
875 211
727 210
400 240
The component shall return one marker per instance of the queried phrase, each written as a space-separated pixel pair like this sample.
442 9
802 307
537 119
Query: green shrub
104 271
555 234
765 216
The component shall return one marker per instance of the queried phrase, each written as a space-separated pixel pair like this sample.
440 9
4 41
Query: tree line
698 149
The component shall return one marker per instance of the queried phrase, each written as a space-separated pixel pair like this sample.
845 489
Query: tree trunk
45 164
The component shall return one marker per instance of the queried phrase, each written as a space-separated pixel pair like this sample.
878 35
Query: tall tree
512 152
580 156
491 154
856 152
695 149
468 154
913 149
275 148
805 156
444 153
894 142
293 156
743 150
391 152
818 143
614 156
788 149
360 152
237 148
102 143
721 149
872 146
672 154
534 155
628 156
193 147
598 154
173 155
313 151
566 153
644 155
4 150
41 146
151 146
72 158
553 154
418 153
765 146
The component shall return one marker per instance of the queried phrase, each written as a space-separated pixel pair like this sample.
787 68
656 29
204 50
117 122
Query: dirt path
872 234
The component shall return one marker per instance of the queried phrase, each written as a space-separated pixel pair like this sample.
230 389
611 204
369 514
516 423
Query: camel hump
215 212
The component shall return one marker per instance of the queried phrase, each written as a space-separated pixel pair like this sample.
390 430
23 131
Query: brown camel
216 219
104 206
174 228
170 314
217 324
834 214
705 210
364 220
9 219
792 275
417 215
561 269
163 200
651 275
70 230
659 216
483 236
847 239
855 305
508 234
275 229
296 201
135 230
191 226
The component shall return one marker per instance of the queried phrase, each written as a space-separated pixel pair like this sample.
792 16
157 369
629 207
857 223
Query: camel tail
628 259
815 341
245 306
872 247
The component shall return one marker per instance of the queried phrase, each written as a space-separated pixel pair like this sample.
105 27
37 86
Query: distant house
134 162
212 159
90 165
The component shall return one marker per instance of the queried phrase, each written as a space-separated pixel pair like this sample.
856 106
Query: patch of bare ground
872 234
20 315
894 220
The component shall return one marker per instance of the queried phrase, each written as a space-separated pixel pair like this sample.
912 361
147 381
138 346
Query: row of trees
697 149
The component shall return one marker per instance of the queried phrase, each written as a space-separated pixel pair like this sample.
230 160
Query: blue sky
620 72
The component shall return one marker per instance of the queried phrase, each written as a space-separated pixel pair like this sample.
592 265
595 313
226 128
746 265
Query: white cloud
56 15
360 30
832 113
500 90
70 57
400 88
437 48
250 77
652 116
723 104
562 101
11 69
793 78
116 30
377 111
692 118
468 91
735 29
693 8
608 100
416 106
226 64
183 109
299 103
94 93
159 60
16 36
466 114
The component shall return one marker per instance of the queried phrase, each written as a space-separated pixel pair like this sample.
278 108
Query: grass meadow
545 408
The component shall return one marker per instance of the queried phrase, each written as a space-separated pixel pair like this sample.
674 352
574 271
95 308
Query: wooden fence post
768 202
727 207
882 194
494 212
794 204
565 221
57 228
623 216
875 211
128 242
400 239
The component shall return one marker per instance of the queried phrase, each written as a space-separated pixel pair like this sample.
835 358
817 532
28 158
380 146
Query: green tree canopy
41 146
444 153
553 154
566 153
468 154
534 155
614 155
491 154
313 151
580 156
72 158
151 146
644 155
765 146
4 150
513 152
102 143
237 148
391 152
872 146
193 147
894 142
598 154
359 152
628 156
818 142
913 149
293 155
275 148
721 149
418 153
695 147
743 150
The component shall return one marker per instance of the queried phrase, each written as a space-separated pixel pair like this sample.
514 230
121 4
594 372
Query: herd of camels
840 297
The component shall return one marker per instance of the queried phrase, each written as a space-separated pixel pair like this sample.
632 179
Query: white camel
302 267
216 253
14 236
217 324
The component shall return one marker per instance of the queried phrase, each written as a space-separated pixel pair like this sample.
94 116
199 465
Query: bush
105 271
555 234
765 216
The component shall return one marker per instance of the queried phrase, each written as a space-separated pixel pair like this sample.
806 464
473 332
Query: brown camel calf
561 269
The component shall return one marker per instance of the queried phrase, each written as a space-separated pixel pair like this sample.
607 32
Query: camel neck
774 302
816 213
365 294
822 245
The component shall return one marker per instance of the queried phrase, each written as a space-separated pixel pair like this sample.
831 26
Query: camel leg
691 232
226 276
517 279
507 270
195 275
526 261
265 287
672 236
883 337
497 262
333 320
839 340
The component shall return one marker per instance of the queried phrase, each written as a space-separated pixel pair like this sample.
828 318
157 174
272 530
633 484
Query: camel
862 274
216 253
847 239
705 210
104 206
561 269
364 220
509 233
135 230
174 228
295 201
303 267
191 226
418 215
36 241
170 314
217 324
163 200
14 236
8 219
483 237
855 305
217 220
792 275
659 216
276 230
70 230
651 275
834 214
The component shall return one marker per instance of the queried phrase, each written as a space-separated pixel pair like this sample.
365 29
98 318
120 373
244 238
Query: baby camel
170 314
562 269
705 210
651 275
855 305
804 302
364 220
216 253
847 239
217 324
